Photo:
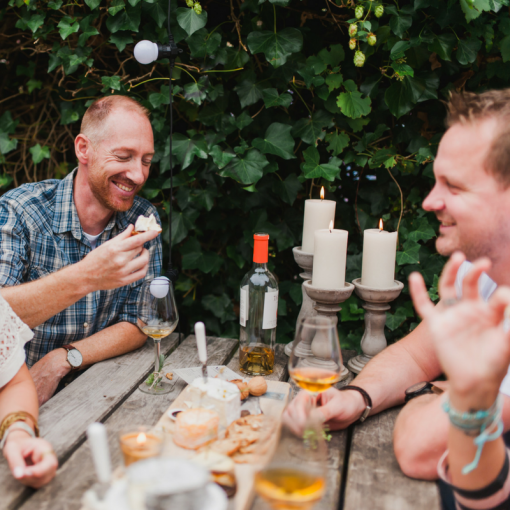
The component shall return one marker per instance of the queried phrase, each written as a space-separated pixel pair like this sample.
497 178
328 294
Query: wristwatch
74 357
421 388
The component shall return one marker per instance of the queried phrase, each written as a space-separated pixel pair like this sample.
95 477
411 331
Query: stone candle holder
376 305
327 304
305 261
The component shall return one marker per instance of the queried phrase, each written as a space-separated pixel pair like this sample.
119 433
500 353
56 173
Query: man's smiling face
471 204
121 159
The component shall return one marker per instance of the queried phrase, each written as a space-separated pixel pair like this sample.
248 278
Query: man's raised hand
118 262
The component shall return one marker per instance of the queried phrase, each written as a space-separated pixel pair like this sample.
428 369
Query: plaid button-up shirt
40 233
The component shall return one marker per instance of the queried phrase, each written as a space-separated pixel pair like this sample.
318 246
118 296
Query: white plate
116 498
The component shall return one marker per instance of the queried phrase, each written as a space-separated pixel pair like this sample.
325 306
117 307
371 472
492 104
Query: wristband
366 398
18 425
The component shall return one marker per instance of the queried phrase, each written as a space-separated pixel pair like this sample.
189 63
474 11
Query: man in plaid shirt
69 243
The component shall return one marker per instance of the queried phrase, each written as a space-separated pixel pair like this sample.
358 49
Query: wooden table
362 470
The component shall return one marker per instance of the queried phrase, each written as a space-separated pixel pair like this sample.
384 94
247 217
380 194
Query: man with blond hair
68 242
471 199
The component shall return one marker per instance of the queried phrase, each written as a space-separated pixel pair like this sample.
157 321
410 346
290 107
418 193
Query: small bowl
172 414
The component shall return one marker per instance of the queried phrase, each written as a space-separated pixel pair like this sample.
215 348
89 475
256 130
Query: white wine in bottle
258 313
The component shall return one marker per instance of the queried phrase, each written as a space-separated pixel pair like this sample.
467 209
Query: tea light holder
376 305
327 304
305 261
138 443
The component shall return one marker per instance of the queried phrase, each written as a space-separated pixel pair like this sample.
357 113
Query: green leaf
33 84
115 7
201 43
310 130
421 231
110 82
289 188
55 4
236 257
271 98
334 56
337 142
180 226
7 124
190 21
276 47
313 170
86 30
93 4
7 144
121 40
247 169
39 153
158 14
128 19
504 46
393 321
443 45
467 50
398 50
221 306
248 90
221 158
186 148
410 253
351 103
384 157
400 24
333 81
5 180
35 21
277 141
473 11
68 26
402 69
400 97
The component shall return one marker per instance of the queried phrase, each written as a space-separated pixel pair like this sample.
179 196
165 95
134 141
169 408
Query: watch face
416 387
75 358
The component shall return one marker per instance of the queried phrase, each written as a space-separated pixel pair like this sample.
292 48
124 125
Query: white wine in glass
157 318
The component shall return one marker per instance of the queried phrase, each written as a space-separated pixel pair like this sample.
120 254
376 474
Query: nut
257 386
243 387
169 376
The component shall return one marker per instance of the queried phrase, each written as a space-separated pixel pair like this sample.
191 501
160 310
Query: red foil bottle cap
260 248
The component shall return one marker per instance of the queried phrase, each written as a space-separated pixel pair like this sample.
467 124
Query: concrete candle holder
304 261
327 304
376 305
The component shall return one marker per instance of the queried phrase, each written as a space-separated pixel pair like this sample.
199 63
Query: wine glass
157 317
315 363
288 484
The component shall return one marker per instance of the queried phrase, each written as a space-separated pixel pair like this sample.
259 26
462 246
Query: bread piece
195 428
226 446
144 224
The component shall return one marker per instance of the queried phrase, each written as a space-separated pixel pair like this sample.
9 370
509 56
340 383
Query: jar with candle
138 443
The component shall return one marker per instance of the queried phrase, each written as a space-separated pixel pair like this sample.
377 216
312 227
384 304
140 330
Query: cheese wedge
144 224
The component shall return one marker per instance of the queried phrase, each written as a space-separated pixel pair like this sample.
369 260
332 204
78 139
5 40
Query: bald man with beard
69 266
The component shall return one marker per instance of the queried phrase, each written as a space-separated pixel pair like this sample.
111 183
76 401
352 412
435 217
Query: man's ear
83 149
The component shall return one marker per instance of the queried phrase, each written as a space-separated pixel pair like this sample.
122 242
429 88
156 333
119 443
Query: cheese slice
195 428
217 394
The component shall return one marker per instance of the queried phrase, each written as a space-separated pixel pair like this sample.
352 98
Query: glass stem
157 350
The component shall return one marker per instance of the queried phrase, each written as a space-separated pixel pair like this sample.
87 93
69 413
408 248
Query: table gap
345 467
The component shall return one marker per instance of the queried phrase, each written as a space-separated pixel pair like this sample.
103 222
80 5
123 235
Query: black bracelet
366 398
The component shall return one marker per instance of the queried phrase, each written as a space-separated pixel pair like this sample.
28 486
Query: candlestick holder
327 304
376 305
305 261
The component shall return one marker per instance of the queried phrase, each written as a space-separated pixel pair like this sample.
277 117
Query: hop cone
371 39
189 3
353 28
379 11
358 12
352 44
359 59
197 8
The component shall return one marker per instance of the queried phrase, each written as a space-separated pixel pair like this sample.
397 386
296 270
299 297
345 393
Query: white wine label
243 306
270 309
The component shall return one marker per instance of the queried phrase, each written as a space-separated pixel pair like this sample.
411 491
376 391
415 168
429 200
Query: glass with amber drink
321 371
295 478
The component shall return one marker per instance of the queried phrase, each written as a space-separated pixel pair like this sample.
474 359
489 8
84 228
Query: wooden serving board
272 407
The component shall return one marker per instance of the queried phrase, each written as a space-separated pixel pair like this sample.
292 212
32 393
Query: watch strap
366 398
68 347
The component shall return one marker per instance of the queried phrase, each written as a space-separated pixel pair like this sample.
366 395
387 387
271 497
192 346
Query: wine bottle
258 313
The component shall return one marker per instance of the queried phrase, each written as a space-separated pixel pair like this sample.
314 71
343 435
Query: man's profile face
120 161
470 203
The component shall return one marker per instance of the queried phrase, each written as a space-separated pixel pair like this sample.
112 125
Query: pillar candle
329 259
379 254
318 215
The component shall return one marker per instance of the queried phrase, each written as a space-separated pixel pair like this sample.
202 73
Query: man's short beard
100 190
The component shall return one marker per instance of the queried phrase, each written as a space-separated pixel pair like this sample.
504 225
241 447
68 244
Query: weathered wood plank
374 479
77 474
91 397
281 360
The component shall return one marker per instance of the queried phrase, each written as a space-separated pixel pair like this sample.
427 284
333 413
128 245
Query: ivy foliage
272 100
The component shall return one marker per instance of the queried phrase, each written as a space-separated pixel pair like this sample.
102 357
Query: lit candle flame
141 438
322 193
330 225
380 224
